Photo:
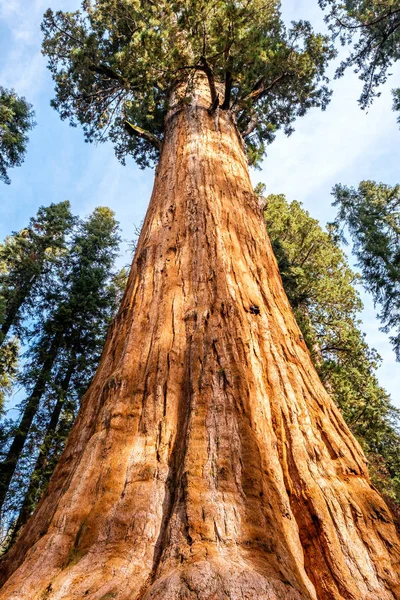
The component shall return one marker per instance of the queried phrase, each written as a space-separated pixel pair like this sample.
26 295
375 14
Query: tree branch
211 82
146 135
228 89
251 126
259 90
366 25
108 72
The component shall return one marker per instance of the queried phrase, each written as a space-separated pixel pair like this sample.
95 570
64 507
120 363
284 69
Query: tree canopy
373 27
118 64
16 120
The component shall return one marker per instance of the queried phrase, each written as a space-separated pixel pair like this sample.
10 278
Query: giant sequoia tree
207 460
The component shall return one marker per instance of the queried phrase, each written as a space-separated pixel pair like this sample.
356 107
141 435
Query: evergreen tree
8 351
77 310
321 289
16 120
207 460
372 215
8 368
373 27
26 258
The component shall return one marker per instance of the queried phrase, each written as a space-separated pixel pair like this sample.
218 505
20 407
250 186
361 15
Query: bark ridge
207 461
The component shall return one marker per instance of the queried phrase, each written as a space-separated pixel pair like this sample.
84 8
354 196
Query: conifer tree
77 310
8 368
373 27
16 120
207 460
26 258
372 216
8 352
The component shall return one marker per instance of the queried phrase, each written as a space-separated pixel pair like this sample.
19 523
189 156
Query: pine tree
26 258
372 215
207 460
16 120
72 329
373 27
8 368
8 351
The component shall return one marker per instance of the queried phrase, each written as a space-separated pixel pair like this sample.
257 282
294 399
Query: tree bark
207 461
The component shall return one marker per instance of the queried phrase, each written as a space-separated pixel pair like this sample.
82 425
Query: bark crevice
207 461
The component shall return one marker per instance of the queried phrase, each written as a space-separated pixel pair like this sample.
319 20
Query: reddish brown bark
207 461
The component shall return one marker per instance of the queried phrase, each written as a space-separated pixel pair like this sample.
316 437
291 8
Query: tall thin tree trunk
8 466
207 461
13 308
37 480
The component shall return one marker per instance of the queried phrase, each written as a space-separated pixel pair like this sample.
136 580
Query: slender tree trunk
207 461
8 466
11 315
37 481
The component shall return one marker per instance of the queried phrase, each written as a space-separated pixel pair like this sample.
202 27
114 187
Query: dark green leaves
16 120
121 60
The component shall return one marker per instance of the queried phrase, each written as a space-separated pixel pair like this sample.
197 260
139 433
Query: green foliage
372 215
8 368
374 27
26 259
123 60
320 288
16 119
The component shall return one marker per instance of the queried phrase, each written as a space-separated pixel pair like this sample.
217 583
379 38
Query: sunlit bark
207 461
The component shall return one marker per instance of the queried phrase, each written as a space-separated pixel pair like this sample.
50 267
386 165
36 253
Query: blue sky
341 145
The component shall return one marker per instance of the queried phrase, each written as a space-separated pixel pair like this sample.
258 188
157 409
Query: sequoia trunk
207 461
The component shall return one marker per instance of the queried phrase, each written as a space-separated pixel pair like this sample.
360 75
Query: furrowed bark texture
207 461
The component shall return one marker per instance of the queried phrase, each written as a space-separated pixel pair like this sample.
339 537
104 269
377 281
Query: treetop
116 63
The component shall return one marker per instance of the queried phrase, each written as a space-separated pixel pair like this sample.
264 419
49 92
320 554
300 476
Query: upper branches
116 63
374 29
